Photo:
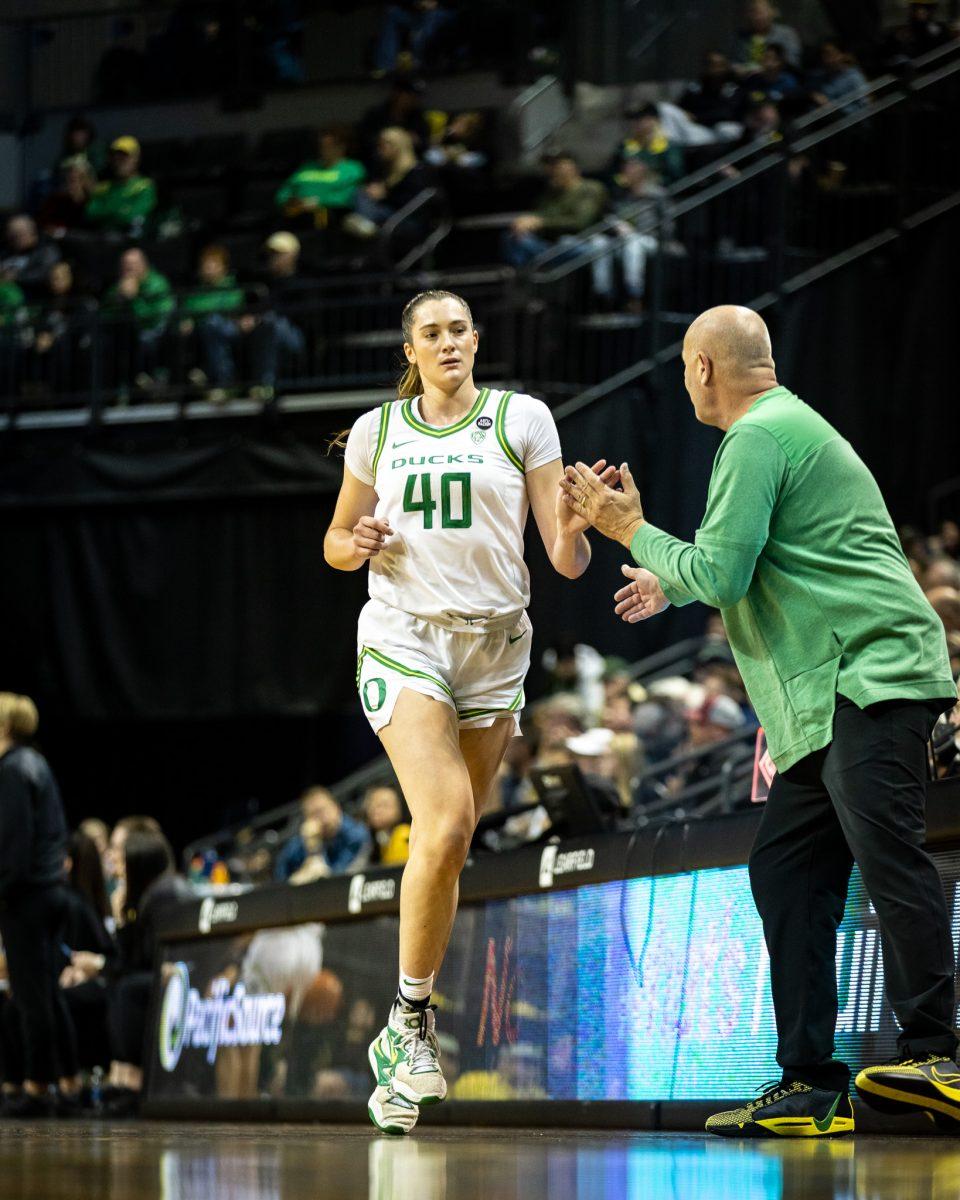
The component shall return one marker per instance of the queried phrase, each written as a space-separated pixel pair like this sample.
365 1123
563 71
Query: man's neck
741 404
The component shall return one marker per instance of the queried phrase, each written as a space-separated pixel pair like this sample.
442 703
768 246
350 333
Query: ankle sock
415 992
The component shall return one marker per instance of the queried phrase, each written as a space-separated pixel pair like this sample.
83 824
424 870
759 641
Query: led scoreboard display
640 989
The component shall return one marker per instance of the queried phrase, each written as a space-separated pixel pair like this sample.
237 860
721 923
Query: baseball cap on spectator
675 687
125 145
283 243
591 744
720 710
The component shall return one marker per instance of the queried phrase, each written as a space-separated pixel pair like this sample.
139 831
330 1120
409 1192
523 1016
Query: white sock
415 991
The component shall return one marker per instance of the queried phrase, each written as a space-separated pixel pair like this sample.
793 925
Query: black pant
31 924
129 1006
861 799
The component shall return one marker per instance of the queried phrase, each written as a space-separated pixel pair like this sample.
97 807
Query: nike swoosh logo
511 640
953 1077
397 445
824 1125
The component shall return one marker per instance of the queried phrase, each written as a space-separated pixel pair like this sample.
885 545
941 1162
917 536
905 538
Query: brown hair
18 714
409 384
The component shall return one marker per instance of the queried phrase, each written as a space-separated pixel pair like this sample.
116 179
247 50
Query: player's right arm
355 534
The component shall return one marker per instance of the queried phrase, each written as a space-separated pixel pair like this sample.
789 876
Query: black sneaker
787 1110
929 1083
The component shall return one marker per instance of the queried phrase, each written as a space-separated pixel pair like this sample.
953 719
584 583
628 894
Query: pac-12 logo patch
484 422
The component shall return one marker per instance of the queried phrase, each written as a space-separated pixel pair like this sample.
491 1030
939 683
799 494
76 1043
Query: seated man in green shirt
846 666
569 206
123 203
327 183
138 306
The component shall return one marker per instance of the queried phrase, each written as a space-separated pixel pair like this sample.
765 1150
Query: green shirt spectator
11 301
223 296
122 204
140 291
330 181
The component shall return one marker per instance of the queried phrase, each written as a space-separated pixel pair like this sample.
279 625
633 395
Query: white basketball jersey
456 499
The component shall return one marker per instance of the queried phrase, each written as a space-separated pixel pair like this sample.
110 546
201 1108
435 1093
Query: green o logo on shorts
373 700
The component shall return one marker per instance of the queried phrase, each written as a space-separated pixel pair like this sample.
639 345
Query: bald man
846 665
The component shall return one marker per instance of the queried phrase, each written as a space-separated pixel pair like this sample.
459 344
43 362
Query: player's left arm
561 529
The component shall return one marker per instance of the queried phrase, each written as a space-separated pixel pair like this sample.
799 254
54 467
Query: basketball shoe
929 1083
787 1110
406 1055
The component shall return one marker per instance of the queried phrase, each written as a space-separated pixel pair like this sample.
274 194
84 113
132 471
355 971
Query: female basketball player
435 494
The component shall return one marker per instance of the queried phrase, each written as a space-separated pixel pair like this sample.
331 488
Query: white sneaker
406 1055
390 1112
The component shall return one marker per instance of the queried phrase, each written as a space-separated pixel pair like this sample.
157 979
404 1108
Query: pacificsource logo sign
191 1021
213 913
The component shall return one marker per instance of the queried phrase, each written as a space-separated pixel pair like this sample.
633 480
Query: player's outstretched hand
640 599
567 517
615 514
369 535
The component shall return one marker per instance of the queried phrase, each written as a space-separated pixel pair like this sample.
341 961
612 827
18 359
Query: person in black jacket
33 911
86 932
150 885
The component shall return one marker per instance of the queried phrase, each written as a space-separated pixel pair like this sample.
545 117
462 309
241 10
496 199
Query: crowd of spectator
100 228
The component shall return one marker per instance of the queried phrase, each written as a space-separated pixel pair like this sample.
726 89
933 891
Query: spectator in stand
941 571
59 344
949 538
327 183
608 761
207 311
12 304
389 826
760 28
715 97
99 833
647 141
761 126
80 142
643 219
33 910
513 779
326 833
460 144
27 256
400 110
274 332
124 202
569 205
404 178
710 722
837 76
140 302
66 207
774 81
424 24
918 35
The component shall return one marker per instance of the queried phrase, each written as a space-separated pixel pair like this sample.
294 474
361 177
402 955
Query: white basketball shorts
479 675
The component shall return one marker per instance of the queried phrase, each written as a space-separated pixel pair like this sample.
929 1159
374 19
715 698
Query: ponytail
409 384
18 715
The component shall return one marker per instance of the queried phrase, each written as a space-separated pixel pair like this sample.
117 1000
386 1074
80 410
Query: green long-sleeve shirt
11 301
332 187
116 204
573 209
152 304
798 552
224 296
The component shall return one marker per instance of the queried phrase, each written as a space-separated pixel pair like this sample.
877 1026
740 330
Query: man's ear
705 367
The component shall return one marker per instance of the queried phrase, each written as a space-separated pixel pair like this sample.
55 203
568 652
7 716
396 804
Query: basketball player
436 489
